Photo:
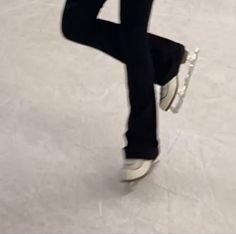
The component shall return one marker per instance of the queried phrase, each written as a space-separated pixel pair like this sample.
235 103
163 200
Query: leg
79 24
141 134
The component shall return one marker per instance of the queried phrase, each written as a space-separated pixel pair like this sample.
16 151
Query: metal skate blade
178 102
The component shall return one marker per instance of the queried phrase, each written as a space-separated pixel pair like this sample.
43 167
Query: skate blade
178 102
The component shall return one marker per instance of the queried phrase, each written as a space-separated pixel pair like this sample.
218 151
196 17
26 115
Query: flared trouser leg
149 60
141 133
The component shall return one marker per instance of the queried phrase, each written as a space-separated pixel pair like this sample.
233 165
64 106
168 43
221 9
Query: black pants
149 60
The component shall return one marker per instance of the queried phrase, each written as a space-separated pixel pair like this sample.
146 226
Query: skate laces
133 163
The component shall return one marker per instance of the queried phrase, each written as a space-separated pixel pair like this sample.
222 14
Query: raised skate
171 96
178 101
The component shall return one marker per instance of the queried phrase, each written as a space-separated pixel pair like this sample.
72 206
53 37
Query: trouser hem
141 152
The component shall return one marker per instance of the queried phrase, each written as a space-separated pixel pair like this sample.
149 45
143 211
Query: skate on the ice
172 96
134 169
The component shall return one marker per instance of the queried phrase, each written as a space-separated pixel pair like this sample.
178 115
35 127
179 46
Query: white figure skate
171 96
135 169
178 102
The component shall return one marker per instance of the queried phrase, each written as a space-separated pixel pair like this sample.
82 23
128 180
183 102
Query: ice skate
134 169
171 96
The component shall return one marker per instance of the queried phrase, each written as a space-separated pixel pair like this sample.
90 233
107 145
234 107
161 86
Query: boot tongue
164 91
133 163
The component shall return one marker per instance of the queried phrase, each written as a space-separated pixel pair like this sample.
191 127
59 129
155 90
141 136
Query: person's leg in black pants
149 59
80 24
141 134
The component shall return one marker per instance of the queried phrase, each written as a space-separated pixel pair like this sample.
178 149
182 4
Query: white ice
63 110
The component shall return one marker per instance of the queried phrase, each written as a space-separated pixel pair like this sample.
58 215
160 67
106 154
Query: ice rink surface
63 110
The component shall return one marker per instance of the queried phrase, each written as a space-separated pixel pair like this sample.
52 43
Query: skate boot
171 97
134 169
